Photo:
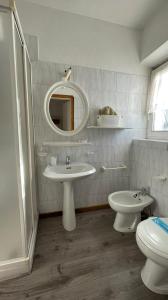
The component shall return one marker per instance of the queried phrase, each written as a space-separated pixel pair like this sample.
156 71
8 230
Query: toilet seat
154 237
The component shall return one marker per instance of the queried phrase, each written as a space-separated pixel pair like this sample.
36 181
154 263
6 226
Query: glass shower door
24 142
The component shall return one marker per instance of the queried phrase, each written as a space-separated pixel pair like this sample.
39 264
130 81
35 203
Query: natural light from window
159 100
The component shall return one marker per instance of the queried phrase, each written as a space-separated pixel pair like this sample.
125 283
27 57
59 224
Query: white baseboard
16 267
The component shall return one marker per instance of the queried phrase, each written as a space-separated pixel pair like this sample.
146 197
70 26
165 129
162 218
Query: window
158 103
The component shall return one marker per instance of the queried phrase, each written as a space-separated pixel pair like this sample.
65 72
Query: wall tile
32 45
148 160
126 94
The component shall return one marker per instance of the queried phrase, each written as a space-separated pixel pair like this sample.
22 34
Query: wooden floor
91 263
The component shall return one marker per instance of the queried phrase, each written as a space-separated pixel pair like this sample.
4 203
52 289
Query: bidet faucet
68 162
143 192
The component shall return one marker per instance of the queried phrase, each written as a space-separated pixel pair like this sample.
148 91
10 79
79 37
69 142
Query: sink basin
66 175
63 173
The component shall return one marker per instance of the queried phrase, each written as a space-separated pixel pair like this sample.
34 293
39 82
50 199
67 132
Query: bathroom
84 192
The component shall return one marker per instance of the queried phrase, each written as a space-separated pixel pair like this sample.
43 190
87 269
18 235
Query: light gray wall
78 40
127 95
148 160
155 34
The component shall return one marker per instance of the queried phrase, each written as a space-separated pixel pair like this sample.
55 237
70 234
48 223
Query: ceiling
130 13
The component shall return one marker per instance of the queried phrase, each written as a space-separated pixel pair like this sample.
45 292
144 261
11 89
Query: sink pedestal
60 173
69 218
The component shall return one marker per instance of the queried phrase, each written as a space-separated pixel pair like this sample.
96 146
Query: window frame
151 133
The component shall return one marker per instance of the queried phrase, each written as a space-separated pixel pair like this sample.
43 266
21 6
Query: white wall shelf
107 127
66 144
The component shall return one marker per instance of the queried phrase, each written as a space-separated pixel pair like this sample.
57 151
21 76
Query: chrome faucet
142 192
68 162
145 191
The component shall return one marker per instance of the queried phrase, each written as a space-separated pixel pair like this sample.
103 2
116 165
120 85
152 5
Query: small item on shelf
107 110
53 160
108 118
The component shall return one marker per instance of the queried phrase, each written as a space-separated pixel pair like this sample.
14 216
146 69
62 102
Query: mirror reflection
66 108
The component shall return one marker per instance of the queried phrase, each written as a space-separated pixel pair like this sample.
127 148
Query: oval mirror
66 108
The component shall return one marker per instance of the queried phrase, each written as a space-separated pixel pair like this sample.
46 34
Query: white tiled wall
32 43
127 95
149 159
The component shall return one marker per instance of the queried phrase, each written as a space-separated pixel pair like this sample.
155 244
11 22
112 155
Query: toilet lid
154 236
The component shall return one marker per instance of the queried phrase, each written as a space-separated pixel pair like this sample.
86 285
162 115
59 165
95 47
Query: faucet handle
68 159
145 190
68 162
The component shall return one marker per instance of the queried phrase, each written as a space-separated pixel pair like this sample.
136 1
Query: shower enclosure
18 209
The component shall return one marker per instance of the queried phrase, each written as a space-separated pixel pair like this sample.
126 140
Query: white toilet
128 205
153 242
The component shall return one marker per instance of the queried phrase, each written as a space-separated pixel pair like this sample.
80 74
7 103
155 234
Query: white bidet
128 206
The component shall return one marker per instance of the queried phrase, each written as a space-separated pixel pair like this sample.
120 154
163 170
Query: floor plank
94 262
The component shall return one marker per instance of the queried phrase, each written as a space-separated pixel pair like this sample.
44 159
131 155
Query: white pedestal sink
66 174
